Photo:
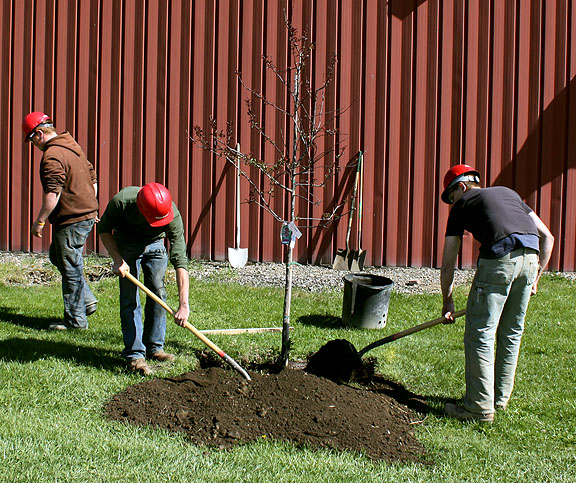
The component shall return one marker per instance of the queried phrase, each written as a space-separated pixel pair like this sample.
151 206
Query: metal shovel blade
341 259
356 260
237 257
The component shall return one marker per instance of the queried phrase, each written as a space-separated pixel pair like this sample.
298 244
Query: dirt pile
216 407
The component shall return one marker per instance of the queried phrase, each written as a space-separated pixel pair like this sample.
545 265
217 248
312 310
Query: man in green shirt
133 229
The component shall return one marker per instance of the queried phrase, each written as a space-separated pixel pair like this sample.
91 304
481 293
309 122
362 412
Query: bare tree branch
304 157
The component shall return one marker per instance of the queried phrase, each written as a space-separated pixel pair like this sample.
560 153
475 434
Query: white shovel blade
237 257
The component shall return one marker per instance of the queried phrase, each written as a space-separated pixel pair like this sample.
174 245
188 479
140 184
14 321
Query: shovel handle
360 190
353 200
188 326
409 331
237 197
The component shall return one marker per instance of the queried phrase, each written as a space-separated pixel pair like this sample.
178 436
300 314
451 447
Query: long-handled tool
338 359
247 330
356 258
404 333
342 258
237 256
189 326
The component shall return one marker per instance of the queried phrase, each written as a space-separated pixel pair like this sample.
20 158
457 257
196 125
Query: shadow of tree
323 321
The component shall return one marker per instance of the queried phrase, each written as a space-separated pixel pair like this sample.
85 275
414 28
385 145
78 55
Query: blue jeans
66 254
495 315
146 336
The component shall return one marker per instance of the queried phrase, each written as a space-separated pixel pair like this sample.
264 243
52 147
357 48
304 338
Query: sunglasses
31 136
451 193
33 133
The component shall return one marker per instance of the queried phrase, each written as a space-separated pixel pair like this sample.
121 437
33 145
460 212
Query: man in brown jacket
69 202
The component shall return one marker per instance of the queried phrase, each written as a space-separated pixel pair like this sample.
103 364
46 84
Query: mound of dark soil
216 407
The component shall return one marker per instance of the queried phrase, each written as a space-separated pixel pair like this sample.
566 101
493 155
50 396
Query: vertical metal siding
423 84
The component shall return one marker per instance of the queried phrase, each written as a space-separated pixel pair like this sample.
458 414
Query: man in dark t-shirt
515 246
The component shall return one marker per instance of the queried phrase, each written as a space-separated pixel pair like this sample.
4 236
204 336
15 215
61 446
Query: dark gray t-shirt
491 215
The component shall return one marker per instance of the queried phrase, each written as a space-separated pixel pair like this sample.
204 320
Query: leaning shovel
356 258
342 258
189 326
237 256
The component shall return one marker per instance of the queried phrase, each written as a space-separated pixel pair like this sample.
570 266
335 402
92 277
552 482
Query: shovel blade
356 260
340 260
237 257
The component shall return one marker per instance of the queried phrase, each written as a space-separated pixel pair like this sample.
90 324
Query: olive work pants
495 315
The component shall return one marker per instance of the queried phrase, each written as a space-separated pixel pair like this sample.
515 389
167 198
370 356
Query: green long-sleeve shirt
123 219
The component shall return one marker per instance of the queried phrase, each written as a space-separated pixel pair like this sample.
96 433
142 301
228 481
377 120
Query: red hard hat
155 203
34 120
456 174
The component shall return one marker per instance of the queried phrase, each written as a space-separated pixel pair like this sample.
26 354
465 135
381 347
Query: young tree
300 169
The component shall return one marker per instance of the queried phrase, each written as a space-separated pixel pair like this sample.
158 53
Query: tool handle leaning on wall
353 199
189 326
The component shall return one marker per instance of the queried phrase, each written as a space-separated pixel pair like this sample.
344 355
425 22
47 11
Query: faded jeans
146 336
495 315
66 255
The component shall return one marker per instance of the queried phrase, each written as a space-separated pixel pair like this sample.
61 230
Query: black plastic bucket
366 300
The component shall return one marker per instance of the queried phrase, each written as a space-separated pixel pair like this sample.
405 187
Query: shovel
237 256
338 359
356 258
189 326
344 256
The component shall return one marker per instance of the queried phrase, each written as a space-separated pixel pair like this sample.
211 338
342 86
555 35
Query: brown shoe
162 356
139 366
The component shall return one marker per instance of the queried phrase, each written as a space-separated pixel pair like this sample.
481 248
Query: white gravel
319 278
35 268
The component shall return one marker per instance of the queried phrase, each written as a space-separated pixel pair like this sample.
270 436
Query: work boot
139 366
458 412
91 308
162 356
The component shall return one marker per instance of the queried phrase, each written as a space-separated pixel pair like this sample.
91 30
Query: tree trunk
285 353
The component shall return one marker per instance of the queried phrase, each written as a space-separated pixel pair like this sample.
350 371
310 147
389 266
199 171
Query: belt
514 253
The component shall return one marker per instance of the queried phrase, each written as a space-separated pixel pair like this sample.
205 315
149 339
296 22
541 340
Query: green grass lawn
53 386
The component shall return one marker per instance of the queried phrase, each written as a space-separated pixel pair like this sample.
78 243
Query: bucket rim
385 281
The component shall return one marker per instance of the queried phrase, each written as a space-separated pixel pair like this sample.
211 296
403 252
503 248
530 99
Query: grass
53 387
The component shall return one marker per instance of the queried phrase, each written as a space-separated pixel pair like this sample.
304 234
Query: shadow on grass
30 350
433 405
8 314
322 321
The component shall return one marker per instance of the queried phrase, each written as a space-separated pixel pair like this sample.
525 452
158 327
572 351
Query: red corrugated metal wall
423 84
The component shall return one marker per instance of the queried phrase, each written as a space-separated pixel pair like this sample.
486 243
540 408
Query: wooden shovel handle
353 200
360 191
409 331
188 326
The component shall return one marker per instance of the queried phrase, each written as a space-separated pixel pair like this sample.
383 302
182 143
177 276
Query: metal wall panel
422 85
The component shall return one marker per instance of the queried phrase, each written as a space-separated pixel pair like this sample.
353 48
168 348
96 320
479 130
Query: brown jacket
64 169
